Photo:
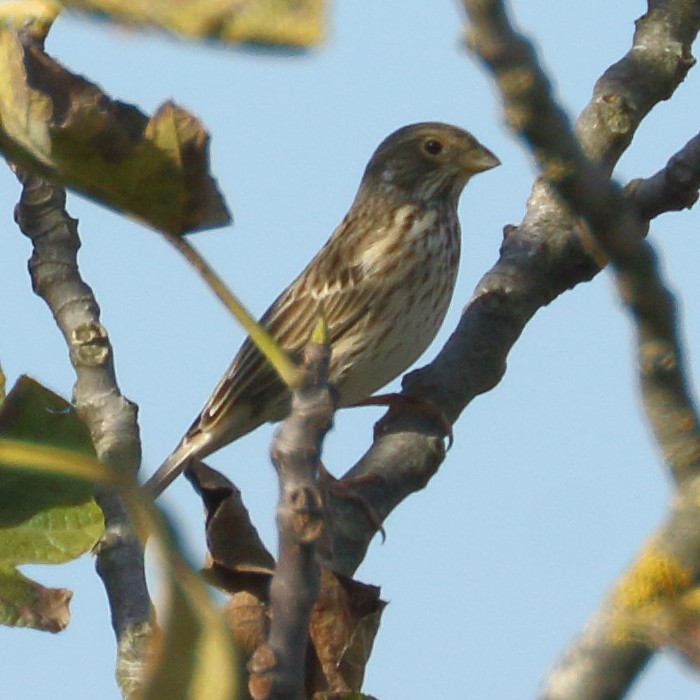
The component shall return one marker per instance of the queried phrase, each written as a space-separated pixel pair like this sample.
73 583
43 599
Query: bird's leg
408 403
345 489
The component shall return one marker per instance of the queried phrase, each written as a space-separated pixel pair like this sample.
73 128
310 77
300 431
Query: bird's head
428 162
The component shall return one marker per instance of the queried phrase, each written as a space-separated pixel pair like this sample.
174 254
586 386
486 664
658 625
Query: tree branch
644 608
614 222
608 656
110 417
673 188
539 260
278 667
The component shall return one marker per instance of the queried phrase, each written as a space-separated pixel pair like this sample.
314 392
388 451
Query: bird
383 280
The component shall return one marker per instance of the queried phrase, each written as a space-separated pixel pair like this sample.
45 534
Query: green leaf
45 518
34 413
47 515
65 128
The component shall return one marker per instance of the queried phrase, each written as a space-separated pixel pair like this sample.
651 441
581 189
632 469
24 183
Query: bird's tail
190 446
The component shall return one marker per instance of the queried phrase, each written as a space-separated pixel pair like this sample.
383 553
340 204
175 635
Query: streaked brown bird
384 281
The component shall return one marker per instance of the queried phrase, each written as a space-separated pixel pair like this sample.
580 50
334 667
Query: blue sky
553 482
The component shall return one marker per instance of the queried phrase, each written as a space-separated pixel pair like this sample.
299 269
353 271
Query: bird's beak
479 160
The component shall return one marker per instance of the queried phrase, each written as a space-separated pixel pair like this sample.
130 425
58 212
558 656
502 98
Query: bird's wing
251 381
290 320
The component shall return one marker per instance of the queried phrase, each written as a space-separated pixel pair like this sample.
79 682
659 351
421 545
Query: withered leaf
66 129
238 558
344 623
248 619
346 615
26 603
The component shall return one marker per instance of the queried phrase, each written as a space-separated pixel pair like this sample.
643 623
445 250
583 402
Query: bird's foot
408 403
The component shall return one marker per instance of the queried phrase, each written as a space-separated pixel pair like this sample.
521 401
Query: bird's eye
433 146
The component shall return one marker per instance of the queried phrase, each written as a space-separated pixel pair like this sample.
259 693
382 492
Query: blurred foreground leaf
295 23
47 515
36 16
65 128
289 372
195 658
26 603
44 518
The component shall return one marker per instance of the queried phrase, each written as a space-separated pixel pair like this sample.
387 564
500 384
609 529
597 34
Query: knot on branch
683 174
307 511
617 112
657 358
90 344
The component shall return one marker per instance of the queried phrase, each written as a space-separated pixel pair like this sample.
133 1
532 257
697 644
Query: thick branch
539 260
277 668
110 417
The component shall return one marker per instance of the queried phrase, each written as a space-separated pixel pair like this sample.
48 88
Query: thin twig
110 417
672 188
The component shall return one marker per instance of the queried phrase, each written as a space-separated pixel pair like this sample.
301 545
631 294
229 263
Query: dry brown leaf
236 552
344 624
346 615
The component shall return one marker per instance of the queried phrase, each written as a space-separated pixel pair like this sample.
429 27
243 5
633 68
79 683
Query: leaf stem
290 374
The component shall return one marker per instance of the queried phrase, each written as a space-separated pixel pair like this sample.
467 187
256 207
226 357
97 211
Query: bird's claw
409 403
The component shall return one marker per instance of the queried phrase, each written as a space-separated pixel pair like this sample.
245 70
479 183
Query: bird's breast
389 242
412 274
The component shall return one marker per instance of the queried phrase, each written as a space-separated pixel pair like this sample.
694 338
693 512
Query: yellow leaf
297 23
